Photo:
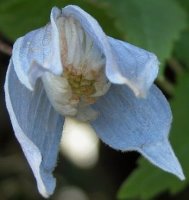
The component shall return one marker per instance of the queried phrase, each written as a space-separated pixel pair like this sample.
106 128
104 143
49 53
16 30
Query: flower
70 68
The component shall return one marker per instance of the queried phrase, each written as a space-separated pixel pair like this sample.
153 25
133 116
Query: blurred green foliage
182 48
18 17
160 26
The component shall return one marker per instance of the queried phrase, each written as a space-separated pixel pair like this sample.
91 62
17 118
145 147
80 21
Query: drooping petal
37 127
95 32
129 123
125 63
38 51
138 67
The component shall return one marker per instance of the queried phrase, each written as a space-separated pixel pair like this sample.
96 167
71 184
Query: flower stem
5 48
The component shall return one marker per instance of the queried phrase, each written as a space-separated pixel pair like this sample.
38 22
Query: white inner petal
83 80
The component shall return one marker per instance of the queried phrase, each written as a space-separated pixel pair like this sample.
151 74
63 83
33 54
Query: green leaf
17 17
184 4
151 24
182 48
147 181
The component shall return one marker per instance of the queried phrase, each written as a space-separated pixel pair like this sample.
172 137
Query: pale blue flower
71 68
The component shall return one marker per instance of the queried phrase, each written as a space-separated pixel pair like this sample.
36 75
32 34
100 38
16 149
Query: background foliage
159 26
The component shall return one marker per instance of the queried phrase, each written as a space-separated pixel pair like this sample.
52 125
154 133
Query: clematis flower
70 68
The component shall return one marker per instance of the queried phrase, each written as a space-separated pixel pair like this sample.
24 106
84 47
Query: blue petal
138 67
38 51
95 32
37 127
128 123
125 63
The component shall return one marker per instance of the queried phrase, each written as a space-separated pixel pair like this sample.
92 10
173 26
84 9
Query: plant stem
5 48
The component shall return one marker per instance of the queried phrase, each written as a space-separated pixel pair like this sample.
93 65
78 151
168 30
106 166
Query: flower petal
129 123
95 32
38 51
161 154
125 63
37 127
138 67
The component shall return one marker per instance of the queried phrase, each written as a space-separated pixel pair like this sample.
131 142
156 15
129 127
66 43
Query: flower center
82 88
83 80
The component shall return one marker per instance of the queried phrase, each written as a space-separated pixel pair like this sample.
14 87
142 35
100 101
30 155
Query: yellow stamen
81 87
